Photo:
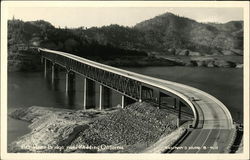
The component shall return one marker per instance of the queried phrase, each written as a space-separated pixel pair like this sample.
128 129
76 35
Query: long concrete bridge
210 120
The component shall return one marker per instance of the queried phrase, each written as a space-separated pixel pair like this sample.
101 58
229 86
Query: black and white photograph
109 79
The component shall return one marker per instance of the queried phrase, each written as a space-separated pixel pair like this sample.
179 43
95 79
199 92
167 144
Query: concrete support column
88 94
100 97
159 100
70 81
55 76
107 97
178 106
42 60
140 94
123 101
67 82
85 93
45 67
53 73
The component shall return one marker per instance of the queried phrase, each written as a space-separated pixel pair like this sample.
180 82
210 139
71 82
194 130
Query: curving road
214 122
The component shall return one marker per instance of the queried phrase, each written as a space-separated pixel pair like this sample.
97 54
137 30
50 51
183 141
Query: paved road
214 119
205 141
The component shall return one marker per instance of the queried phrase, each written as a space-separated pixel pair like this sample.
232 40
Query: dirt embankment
51 129
135 128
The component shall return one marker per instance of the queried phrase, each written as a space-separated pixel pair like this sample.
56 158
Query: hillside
43 34
114 130
171 34
169 31
166 33
141 45
22 35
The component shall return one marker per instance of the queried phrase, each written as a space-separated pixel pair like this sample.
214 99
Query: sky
73 17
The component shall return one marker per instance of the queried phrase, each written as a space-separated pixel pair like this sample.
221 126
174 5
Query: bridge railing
125 85
125 82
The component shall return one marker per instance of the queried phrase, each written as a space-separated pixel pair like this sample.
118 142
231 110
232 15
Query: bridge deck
212 114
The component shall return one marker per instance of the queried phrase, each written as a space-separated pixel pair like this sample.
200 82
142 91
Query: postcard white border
64 156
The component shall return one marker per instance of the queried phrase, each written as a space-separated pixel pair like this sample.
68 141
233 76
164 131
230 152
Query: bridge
211 124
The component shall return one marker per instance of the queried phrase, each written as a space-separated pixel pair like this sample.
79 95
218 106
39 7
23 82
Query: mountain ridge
185 33
171 32
151 40
162 34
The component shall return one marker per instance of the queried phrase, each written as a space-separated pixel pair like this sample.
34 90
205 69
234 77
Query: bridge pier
104 97
107 97
88 93
45 67
178 106
100 97
123 101
42 58
54 72
159 100
84 93
70 82
55 76
126 101
140 94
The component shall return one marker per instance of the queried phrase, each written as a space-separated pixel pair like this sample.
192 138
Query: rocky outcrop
131 129
134 128
52 129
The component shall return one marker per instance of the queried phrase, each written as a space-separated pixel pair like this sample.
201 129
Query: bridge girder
125 85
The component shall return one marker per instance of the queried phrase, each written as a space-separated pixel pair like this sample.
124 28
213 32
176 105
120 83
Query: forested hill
166 34
171 34
43 34
171 31
40 33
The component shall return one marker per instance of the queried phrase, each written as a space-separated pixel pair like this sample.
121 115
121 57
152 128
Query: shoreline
15 132
22 61
56 130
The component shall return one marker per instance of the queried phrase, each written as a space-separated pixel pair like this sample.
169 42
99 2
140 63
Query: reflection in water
33 89
69 97
55 82
55 85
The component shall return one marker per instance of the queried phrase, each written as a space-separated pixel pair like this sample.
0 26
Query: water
16 128
33 89
226 84
29 89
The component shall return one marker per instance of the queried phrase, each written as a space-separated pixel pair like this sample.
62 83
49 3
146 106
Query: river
28 89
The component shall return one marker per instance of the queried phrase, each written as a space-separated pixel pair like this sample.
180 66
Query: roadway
215 123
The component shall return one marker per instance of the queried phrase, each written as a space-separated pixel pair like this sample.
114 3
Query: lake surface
32 89
226 84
